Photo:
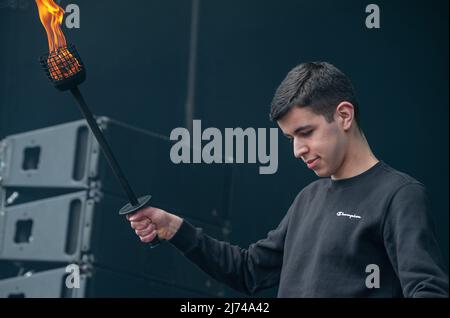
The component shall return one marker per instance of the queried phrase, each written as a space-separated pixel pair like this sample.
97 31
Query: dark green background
137 53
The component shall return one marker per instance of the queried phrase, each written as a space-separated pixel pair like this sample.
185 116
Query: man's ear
344 114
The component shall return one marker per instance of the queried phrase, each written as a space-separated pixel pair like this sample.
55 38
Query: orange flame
61 62
51 16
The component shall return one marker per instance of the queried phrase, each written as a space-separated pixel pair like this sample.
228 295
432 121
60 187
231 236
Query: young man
363 231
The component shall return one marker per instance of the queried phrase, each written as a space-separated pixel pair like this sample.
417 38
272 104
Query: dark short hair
317 85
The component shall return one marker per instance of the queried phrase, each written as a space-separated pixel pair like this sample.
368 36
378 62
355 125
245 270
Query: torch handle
104 145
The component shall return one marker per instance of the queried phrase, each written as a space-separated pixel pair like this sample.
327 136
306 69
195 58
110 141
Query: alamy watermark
73 279
72 12
73 16
373 279
373 19
229 149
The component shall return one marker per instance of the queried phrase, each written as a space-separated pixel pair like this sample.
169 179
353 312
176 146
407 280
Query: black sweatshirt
333 241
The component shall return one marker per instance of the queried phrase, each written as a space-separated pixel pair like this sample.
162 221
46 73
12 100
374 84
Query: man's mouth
312 162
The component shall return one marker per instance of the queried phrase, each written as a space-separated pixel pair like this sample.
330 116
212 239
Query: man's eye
307 133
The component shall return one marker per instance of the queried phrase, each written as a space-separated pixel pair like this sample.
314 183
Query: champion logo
340 213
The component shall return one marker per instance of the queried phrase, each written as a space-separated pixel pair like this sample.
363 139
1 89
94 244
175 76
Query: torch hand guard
129 208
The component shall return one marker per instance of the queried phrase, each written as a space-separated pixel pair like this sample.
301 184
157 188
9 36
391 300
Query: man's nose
299 149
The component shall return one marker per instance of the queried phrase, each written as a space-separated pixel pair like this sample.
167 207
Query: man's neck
358 159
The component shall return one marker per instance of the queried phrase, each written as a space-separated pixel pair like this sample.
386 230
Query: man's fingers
146 231
141 214
141 224
148 238
137 216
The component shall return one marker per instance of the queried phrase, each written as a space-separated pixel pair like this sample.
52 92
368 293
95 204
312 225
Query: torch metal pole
104 145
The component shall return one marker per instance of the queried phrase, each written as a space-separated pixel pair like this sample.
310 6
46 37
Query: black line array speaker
94 282
59 205
68 157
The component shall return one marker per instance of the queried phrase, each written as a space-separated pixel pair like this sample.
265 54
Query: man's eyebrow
299 129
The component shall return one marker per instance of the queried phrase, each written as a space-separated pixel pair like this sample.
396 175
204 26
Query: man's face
321 145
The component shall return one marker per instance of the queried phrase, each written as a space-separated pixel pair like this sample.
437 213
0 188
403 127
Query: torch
66 71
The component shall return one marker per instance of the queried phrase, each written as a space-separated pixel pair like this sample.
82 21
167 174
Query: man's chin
322 174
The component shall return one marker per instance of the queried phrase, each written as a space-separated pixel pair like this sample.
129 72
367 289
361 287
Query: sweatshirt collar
343 183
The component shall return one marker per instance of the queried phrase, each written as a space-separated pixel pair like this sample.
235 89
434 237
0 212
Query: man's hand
150 221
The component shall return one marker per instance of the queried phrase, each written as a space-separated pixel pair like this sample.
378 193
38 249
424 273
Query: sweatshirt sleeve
411 244
246 270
